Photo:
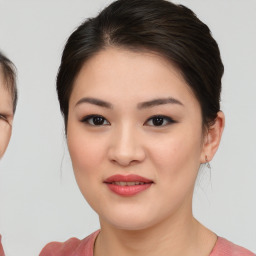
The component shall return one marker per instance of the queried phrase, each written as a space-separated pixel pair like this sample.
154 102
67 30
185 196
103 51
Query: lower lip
128 190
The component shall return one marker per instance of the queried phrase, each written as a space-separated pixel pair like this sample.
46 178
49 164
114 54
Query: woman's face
6 116
135 138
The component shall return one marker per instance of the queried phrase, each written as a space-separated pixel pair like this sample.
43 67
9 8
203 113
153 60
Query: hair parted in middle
158 26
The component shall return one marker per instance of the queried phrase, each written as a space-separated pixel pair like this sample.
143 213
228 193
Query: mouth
128 185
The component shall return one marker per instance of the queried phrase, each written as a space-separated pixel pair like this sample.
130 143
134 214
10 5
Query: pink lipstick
127 185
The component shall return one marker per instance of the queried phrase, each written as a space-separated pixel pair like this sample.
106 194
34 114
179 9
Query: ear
212 138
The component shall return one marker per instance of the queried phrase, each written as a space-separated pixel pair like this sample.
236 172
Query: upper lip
127 178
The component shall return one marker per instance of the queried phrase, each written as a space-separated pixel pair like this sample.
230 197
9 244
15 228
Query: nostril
124 162
126 149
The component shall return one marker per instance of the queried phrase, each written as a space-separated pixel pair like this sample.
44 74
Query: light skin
6 115
126 91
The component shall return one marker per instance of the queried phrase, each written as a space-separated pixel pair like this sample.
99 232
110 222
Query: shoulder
1 248
224 247
71 247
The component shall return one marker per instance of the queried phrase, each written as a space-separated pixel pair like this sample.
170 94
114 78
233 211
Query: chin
130 225
129 221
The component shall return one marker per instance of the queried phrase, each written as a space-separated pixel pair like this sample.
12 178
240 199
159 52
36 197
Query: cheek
88 160
177 157
85 152
176 160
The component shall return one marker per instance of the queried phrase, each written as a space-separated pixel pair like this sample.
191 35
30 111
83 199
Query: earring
207 162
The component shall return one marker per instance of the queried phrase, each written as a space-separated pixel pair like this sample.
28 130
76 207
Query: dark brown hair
159 26
8 71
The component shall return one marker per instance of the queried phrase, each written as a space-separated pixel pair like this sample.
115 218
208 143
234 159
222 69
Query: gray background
39 198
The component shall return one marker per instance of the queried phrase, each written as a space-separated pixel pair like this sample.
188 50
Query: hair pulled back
159 26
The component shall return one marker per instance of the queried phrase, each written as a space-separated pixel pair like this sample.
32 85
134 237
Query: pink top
1 248
76 247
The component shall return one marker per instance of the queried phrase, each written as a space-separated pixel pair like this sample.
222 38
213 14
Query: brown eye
95 120
159 121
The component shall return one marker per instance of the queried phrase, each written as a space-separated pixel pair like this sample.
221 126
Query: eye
95 120
3 118
159 120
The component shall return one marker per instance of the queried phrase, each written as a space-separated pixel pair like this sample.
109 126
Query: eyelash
90 118
164 120
3 117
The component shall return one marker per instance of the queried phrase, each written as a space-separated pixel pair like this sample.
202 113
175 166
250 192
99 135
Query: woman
8 100
139 88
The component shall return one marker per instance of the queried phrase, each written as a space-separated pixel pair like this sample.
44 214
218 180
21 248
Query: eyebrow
94 101
142 105
157 102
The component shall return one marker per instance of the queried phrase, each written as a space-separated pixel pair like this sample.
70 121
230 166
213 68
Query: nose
126 147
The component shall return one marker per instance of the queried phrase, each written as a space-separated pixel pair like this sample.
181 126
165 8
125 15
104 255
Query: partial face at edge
133 113
6 116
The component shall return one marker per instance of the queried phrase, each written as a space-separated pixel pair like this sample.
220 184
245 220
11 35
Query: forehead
135 74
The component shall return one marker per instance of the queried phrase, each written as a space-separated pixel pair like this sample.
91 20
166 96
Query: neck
173 237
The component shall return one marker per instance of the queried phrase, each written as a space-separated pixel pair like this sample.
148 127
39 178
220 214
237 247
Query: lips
127 185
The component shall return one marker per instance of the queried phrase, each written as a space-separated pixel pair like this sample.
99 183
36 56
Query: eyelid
3 117
88 117
169 120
